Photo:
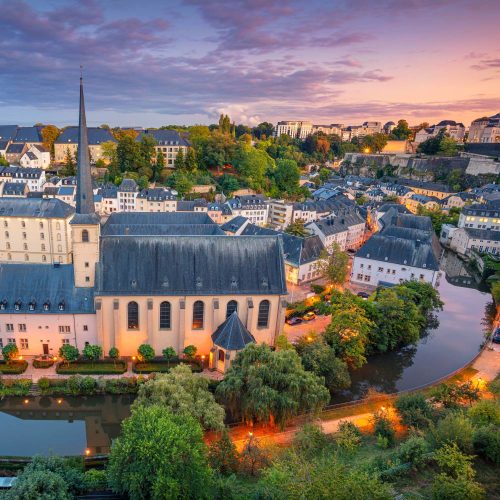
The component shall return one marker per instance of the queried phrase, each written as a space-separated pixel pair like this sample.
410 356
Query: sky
161 62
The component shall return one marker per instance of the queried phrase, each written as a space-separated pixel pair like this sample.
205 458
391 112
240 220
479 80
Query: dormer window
17 305
62 305
46 306
3 304
32 305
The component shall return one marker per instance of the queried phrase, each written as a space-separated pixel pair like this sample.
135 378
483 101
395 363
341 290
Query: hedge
163 366
15 387
43 363
13 368
98 367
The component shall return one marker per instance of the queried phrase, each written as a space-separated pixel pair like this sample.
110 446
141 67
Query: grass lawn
13 368
161 366
101 367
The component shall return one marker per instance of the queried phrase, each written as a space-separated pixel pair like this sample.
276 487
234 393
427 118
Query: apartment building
33 177
485 130
294 129
68 142
168 143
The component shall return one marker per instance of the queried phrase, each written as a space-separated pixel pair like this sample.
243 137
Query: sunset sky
153 63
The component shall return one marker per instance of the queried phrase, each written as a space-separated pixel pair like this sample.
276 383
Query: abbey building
167 279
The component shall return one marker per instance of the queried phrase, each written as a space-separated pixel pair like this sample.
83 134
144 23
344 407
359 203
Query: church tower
85 224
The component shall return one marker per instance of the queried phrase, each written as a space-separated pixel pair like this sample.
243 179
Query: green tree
190 162
286 177
180 182
147 151
454 428
223 456
158 166
413 409
334 264
228 184
324 174
414 450
69 168
179 160
318 357
114 354
253 165
169 353
3 161
486 442
92 352
485 412
190 351
183 393
263 130
145 353
374 143
401 131
68 353
297 228
383 427
38 485
10 352
270 386
159 455
127 154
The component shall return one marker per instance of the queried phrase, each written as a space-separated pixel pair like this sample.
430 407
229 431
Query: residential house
156 200
253 207
35 157
455 130
465 240
478 216
168 143
14 152
414 201
68 142
33 177
127 194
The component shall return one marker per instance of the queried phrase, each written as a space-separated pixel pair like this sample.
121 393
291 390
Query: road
317 325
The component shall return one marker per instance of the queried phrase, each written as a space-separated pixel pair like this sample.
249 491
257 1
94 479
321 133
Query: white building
294 129
34 177
253 207
36 157
127 194
485 130
480 217
464 240
455 130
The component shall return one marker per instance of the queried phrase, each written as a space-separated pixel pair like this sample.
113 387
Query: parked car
496 336
293 321
309 316
363 295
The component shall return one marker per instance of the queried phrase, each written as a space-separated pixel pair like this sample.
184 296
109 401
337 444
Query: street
317 325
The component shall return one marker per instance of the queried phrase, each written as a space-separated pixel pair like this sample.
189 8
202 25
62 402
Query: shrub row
162 366
77 385
98 367
13 367
16 387
43 363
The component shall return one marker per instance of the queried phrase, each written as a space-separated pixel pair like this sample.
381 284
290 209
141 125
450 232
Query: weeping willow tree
271 386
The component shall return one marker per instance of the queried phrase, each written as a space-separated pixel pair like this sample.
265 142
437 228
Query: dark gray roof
39 284
482 234
21 172
190 265
392 217
155 218
28 134
296 250
232 335
95 136
14 188
15 149
161 229
156 194
399 250
432 186
8 132
35 207
3 145
488 210
398 207
128 186
234 224
343 221
165 137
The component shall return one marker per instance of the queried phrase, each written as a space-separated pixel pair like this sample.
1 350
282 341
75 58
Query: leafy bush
43 363
348 436
114 353
95 480
383 427
487 443
15 387
223 456
449 488
190 351
10 352
92 352
317 289
413 409
99 367
44 384
15 367
454 428
169 353
310 439
68 353
87 385
145 352
485 412
414 450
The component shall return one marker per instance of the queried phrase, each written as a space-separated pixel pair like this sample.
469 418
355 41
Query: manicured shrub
87 385
169 353
44 383
145 352
114 353
10 352
68 353
92 352
190 351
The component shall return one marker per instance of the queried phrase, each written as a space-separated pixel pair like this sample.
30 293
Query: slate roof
21 172
399 250
393 218
153 218
39 284
482 234
3 145
15 149
165 137
234 224
128 186
28 134
488 210
423 198
161 229
232 335
431 186
397 206
14 188
297 251
156 194
191 265
338 224
96 136
35 207
8 132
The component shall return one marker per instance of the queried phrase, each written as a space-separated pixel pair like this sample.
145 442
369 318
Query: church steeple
84 194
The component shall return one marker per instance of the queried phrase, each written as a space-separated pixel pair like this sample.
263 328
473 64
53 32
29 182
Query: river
69 426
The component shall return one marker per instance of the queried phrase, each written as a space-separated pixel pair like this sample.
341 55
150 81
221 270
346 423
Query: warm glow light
133 357
59 401
55 358
367 150
203 357
26 401
20 358
382 408
309 339
87 452
250 434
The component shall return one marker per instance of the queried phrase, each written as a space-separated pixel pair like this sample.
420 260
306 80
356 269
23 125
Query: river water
69 426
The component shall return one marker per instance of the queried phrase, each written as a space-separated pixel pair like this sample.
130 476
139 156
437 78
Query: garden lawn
162 366
92 368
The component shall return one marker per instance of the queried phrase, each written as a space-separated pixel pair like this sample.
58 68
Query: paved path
317 325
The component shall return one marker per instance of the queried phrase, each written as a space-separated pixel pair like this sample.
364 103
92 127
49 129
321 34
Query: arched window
198 315
263 317
165 315
232 306
85 236
58 225
58 236
133 315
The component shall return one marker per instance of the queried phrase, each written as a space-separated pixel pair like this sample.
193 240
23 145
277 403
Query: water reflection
45 425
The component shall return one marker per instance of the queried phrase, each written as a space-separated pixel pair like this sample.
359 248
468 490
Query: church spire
84 193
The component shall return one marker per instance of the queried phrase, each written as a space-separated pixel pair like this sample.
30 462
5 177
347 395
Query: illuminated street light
87 452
